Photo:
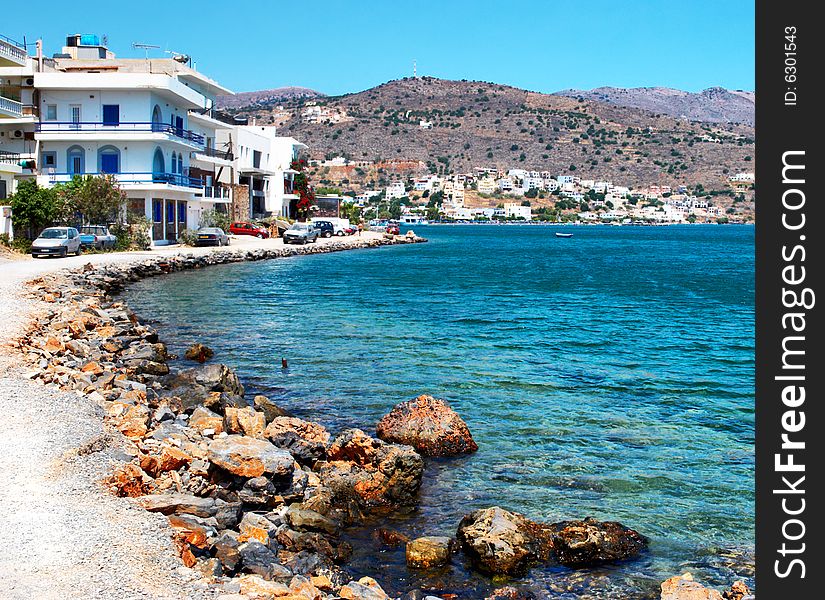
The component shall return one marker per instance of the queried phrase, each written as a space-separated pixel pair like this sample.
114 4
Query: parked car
211 236
351 230
393 229
97 236
57 241
301 233
244 228
326 228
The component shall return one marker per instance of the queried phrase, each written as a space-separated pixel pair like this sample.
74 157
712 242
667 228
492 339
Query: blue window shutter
109 163
111 114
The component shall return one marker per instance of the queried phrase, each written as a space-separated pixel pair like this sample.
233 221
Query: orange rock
356 590
258 587
130 481
92 368
683 587
188 531
322 582
53 345
247 421
105 331
131 420
172 459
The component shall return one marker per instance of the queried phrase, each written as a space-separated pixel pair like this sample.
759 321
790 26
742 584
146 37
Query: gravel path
63 535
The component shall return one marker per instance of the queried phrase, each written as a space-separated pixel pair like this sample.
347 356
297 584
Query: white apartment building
515 211
486 185
395 189
150 123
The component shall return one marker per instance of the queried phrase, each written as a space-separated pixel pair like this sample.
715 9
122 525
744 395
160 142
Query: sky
336 46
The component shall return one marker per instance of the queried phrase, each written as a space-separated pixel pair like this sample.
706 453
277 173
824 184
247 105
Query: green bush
4 240
213 218
133 235
187 237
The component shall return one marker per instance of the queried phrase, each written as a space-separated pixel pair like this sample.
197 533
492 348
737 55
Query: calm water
610 374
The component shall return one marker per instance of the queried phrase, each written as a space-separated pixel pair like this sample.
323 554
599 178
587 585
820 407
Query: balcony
12 53
215 153
10 108
88 127
11 158
216 193
132 180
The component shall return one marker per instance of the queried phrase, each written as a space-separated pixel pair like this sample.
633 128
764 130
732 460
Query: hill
713 105
266 97
478 124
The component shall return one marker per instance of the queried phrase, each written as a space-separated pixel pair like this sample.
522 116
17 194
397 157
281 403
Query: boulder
132 420
365 588
130 480
199 353
502 542
249 457
255 527
258 559
738 591
168 504
429 551
225 549
269 408
429 425
510 592
366 474
192 387
246 421
683 587
260 492
306 441
302 518
590 542
204 419
253 586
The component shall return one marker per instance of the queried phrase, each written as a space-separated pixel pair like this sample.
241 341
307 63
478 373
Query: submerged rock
591 542
365 588
683 587
502 542
429 425
199 353
429 551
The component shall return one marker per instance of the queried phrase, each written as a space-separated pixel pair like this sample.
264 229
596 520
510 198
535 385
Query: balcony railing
11 158
13 50
95 127
215 153
10 107
128 179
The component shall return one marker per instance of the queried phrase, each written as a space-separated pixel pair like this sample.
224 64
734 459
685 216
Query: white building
516 211
395 189
18 115
486 185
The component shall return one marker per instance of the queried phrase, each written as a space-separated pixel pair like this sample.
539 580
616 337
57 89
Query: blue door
111 114
108 163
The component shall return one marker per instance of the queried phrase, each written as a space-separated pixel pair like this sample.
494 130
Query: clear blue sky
336 47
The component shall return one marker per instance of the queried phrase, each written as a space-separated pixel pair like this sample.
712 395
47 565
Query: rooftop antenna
145 47
415 74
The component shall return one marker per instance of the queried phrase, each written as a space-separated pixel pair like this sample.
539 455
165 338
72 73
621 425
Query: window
157 211
174 162
3 189
182 213
74 111
170 211
111 114
49 160
51 112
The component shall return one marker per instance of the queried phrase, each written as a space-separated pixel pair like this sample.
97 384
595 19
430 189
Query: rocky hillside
713 105
266 97
477 124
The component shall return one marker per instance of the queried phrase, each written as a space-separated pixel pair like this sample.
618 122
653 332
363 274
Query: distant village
521 194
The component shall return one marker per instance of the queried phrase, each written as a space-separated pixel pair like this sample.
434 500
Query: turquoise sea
610 374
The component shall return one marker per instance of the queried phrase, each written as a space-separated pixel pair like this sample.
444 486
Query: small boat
564 235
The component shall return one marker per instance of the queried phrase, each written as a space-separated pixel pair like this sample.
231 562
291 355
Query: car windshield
54 234
93 230
300 226
210 230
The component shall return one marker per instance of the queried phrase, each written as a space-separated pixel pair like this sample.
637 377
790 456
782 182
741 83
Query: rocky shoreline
257 499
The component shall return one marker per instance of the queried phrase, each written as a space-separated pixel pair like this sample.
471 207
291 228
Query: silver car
57 241
301 233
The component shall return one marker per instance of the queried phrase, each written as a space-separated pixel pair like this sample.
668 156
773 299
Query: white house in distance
395 189
17 115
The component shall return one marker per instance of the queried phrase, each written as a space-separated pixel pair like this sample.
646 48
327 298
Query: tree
305 191
95 200
34 208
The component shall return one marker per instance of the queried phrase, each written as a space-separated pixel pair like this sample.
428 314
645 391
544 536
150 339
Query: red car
393 229
242 228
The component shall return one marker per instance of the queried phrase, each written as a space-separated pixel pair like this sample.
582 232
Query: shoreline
73 537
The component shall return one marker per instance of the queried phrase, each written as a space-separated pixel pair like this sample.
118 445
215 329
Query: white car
57 241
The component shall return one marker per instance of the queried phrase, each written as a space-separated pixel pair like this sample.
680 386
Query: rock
303 589
683 587
260 492
301 518
249 457
199 353
510 592
591 542
256 558
391 538
365 588
429 425
132 420
168 459
502 542
168 504
246 421
306 441
255 527
228 514
130 481
738 591
188 531
368 474
209 568
204 419
258 587
269 408
429 551
225 549
192 387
